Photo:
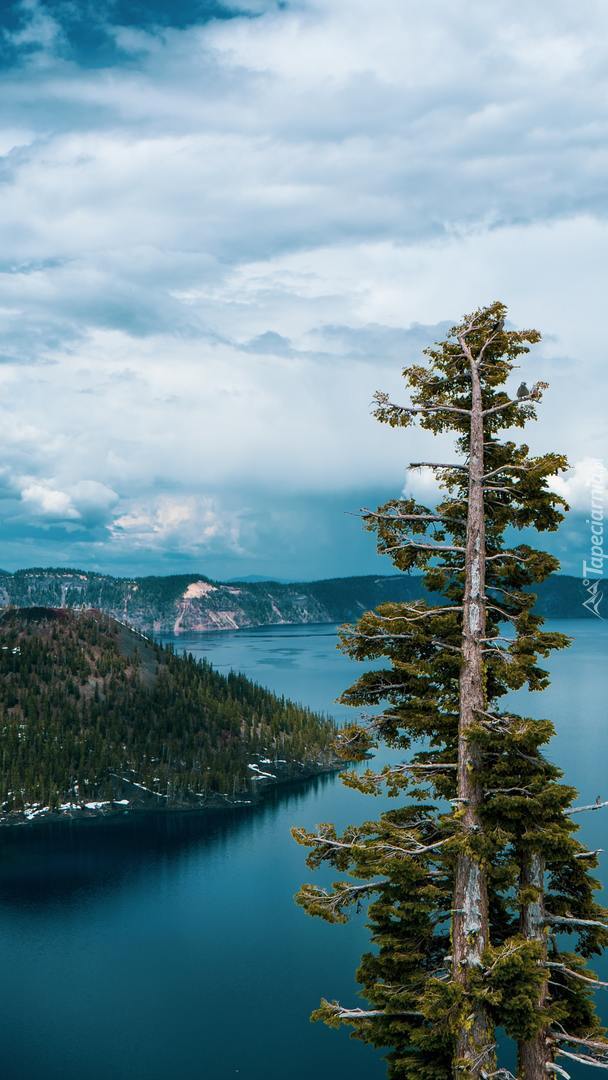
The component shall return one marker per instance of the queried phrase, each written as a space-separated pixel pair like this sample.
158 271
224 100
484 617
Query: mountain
186 602
95 718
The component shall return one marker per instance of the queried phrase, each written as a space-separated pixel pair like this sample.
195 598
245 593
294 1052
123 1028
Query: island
98 719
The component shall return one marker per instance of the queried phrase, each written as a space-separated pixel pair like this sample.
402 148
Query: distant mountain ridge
192 602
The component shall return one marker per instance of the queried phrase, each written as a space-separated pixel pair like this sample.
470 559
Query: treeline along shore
191 602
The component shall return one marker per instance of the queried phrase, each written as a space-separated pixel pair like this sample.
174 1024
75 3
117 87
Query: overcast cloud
221 234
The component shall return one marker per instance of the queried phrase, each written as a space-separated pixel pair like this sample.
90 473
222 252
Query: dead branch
435 465
368 1014
413 409
582 809
494 472
569 920
513 401
593 1044
551 1067
583 1058
575 974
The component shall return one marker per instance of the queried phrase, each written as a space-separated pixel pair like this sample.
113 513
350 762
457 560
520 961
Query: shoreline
141 806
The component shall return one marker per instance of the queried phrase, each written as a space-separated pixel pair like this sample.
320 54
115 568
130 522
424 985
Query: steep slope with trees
469 903
94 717
189 602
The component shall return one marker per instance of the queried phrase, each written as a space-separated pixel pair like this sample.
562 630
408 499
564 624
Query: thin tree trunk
534 1053
474 1044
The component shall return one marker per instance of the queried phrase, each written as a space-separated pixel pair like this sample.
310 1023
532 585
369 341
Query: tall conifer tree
476 873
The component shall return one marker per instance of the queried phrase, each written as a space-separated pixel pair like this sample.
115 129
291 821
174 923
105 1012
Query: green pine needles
476 876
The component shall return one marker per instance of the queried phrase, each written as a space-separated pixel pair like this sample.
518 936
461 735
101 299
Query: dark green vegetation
477 874
89 711
194 602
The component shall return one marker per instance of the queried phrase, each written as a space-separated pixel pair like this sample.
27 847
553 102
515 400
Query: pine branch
403 517
423 547
426 613
358 636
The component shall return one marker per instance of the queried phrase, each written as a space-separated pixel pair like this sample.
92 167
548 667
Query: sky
224 227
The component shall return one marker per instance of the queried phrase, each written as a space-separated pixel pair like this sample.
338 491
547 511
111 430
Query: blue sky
225 226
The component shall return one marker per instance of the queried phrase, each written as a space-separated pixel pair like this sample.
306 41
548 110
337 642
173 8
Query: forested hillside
93 716
180 603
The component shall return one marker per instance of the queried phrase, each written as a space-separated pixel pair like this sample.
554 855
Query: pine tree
466 903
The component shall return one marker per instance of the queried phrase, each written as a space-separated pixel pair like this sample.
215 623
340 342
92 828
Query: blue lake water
169 947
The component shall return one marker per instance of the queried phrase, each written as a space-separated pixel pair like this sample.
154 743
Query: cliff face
183 603
190 602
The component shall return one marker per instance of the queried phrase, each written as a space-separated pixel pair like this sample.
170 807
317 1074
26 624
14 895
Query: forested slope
91 713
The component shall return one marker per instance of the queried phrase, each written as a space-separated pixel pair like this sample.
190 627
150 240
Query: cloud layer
221 236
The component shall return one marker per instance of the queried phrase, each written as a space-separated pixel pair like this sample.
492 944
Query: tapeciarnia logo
593 571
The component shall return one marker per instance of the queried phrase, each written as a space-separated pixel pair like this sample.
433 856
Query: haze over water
170 946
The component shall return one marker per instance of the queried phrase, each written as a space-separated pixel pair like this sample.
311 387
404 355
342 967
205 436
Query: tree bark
534 1053
474 1044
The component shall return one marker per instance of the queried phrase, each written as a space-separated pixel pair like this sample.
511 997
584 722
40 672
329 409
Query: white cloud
584 484
45 501
216 252
192 525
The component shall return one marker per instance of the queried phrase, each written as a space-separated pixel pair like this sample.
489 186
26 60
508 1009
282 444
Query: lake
169 947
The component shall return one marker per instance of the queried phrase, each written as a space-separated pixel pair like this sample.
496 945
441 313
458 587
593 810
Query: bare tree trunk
474 1047
534 1053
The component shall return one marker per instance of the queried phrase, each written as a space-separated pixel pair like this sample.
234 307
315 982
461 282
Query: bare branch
411 409
593 1044
551 1067
582 809
368 1014
505 555
504 614
575 974
588 854
513 401
583 1058
419 613
494 472
436 465
569 920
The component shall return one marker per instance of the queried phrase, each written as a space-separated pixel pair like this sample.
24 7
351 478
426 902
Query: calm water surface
170 947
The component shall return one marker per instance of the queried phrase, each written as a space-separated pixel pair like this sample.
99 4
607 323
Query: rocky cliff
192 602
